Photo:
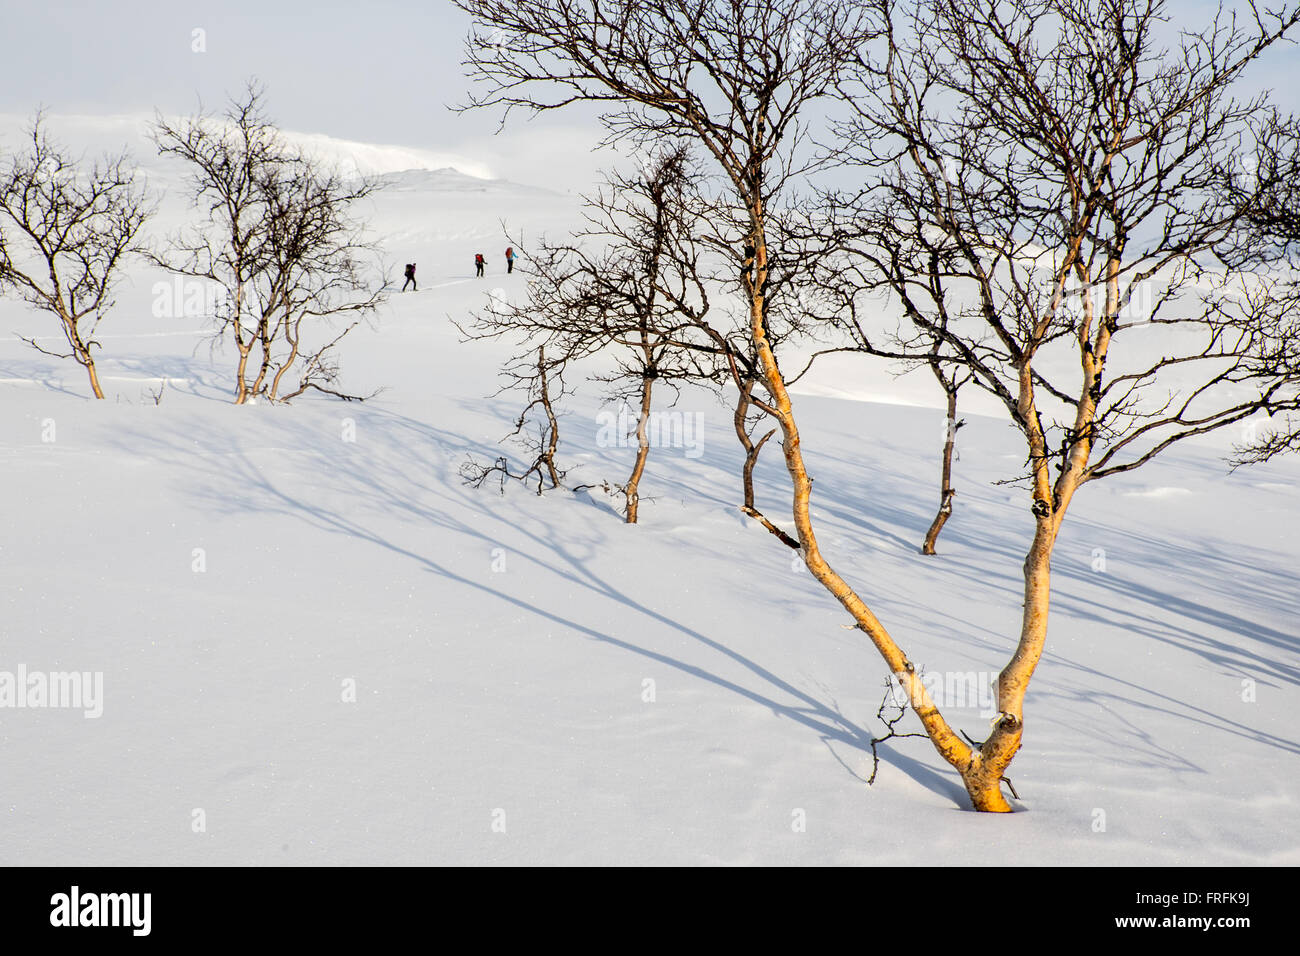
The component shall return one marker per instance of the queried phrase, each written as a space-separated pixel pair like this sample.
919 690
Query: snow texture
673 692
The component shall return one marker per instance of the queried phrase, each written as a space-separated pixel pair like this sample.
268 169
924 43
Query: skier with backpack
510 260
479 262
410 277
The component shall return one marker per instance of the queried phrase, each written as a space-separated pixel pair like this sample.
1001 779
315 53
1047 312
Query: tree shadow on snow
388 482
384 474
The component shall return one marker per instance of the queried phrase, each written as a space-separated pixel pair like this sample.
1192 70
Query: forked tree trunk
87 361
292 335
751 448
264 339
981 768
80 350
946 491
241 370
1051 499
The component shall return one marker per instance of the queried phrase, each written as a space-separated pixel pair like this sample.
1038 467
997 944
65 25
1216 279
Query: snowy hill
97 134
314 638
450 179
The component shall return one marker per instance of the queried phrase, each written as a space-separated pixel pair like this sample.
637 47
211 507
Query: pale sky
359 70
379 71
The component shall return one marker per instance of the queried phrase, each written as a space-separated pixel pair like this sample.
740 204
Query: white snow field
538 683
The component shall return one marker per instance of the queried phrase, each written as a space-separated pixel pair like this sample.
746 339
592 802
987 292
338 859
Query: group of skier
480 264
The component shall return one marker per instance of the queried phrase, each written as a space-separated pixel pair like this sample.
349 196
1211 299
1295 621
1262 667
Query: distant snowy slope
449 179
435 208
97 134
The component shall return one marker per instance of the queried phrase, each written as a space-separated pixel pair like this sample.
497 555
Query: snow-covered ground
317 645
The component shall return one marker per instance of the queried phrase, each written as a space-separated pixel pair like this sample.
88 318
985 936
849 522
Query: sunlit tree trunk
81 351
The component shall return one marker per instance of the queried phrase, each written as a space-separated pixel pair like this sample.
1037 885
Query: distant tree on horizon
628 286
280 243
65 231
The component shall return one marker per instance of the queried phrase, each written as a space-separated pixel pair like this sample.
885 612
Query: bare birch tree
735 76
1054 167
65 230
1094 108
629 288
280 243
543 381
